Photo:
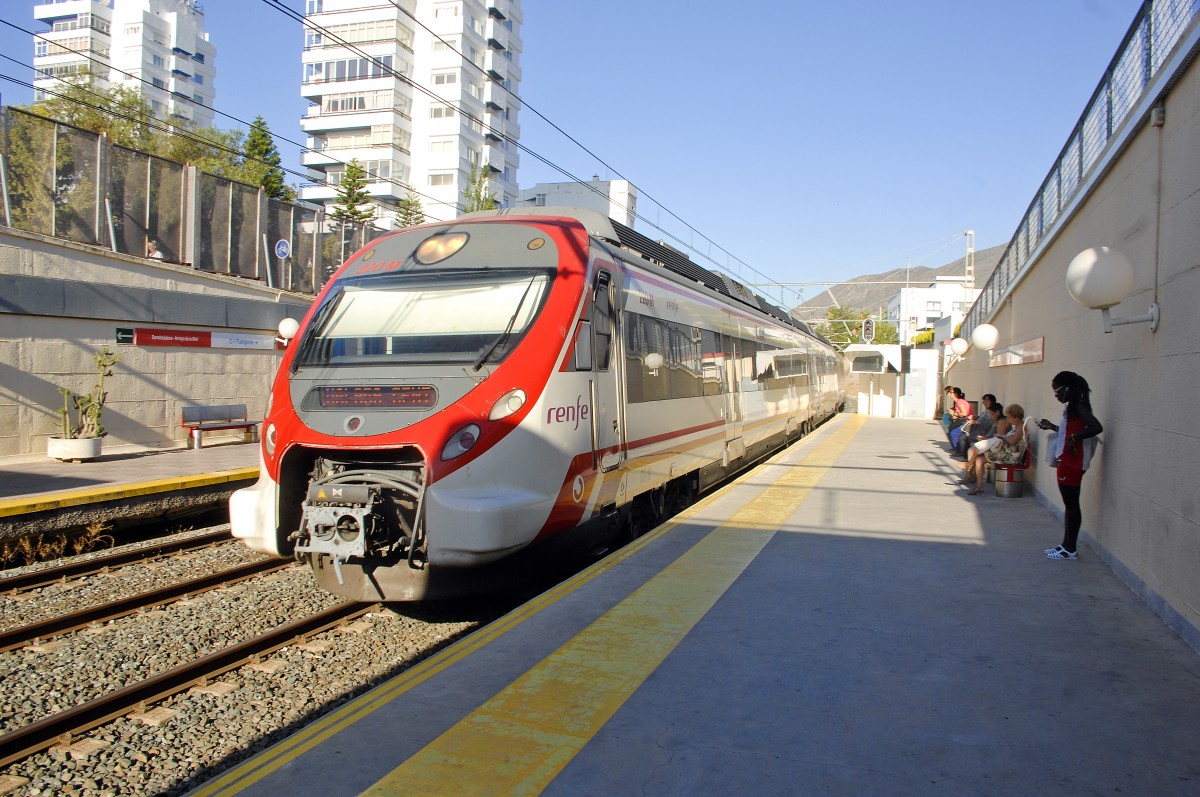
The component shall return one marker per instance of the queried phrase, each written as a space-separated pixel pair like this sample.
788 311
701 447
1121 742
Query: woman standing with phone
1071 449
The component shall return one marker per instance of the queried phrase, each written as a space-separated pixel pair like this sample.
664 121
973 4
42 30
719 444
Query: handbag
1052 450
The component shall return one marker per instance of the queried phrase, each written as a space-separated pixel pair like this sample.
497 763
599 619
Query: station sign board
200 339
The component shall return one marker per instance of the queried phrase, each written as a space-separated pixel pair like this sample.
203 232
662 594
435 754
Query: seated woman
1009 451
999 426
982 427
959 414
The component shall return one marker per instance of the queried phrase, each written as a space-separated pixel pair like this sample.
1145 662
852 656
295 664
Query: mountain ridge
861 294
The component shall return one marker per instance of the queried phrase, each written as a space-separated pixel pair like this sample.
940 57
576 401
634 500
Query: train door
732 387
609 419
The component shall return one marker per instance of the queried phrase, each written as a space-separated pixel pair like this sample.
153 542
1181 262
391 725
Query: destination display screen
388 397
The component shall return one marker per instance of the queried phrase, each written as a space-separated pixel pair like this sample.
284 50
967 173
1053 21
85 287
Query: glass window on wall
279 228
76 204
306 255
30 172
213 234
166 208
128 198
243 232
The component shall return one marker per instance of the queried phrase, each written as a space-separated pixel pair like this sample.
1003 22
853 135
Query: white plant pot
73 448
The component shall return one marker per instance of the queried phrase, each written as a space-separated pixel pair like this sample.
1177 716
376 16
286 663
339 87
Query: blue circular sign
282 248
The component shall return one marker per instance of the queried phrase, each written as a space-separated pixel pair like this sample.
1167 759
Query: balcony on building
494 95
49 12
323 122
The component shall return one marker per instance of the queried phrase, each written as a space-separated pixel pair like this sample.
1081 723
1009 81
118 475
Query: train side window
583 346
602 323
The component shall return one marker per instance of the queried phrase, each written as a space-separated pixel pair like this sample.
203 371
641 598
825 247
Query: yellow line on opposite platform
520 740
115 492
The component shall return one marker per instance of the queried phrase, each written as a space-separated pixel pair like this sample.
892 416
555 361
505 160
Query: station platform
842 620
40 495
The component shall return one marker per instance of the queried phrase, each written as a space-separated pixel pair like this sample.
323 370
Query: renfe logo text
569 414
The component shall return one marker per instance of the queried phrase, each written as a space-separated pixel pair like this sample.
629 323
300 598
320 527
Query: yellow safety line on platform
234 781
101 493
520 740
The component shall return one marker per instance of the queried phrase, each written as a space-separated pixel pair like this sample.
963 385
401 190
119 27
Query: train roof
629 239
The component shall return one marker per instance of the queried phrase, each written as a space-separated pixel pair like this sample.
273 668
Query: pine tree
352 196
476 196
261 162
409 212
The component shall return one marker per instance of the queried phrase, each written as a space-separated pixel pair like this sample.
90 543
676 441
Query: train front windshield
447 318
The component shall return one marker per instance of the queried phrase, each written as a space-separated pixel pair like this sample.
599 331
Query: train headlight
509 403
269 440
461 442
439 247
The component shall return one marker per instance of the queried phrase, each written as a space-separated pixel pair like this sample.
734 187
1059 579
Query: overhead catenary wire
325 32
597 158
277 5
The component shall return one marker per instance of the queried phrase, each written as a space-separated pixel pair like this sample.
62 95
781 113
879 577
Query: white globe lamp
288 328
985 337
959 346
1101 277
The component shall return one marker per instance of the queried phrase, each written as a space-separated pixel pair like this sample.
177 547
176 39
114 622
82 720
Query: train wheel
642 517
680 495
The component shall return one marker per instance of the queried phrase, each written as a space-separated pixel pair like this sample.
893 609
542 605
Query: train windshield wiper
512 322
306 343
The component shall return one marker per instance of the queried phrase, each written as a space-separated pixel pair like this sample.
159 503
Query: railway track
103 564
60 728
55 626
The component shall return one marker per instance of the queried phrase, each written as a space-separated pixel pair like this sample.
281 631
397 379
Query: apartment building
420 92
156 47
920 307
616 199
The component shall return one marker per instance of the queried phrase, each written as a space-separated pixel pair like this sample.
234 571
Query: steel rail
41 578
61 727
55 626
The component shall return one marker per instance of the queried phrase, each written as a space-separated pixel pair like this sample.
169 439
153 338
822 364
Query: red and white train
465 392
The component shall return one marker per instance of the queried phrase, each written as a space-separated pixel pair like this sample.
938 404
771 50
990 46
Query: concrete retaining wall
61 301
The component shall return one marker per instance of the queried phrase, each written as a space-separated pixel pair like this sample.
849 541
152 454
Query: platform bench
200 419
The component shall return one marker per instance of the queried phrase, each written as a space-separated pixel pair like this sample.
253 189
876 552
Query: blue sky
811 141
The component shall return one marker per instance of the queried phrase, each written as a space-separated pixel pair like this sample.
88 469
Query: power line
325 32
579 144
277 5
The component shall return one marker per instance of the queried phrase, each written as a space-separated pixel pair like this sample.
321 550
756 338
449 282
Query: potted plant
81 431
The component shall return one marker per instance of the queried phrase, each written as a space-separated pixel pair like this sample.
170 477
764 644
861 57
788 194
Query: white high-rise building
420 92
156 47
